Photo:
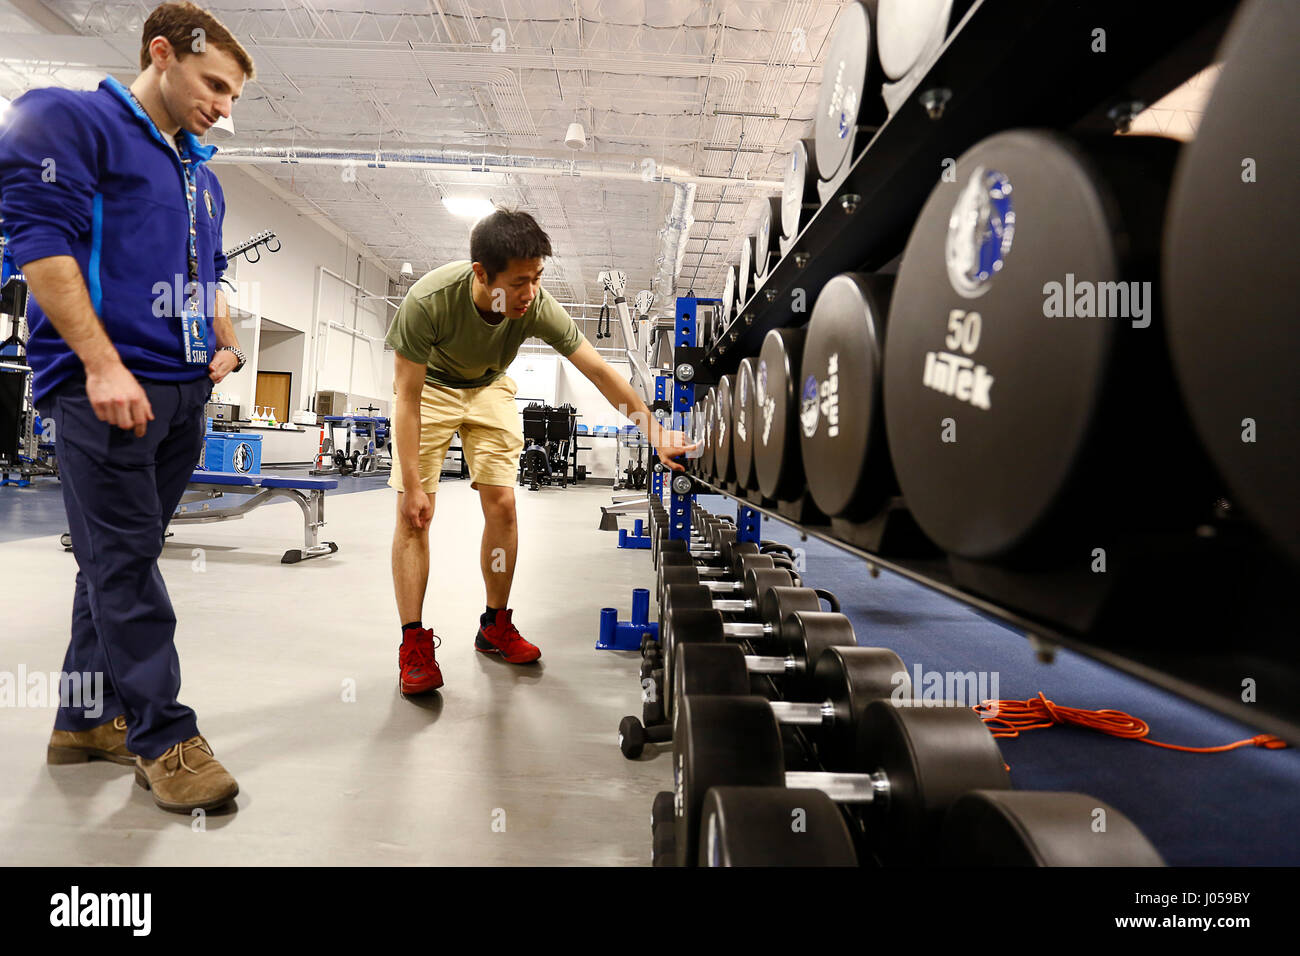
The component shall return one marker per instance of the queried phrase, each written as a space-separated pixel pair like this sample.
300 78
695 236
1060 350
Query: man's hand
670 445
417 509
221 366
118 398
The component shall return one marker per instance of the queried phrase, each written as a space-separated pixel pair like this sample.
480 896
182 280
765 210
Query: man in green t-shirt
456 332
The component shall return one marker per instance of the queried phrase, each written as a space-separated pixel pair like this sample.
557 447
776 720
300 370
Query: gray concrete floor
506 765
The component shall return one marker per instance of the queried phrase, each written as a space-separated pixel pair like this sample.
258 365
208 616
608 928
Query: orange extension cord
1007 718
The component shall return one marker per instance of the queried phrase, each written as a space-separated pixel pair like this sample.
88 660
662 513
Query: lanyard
191 206
192 324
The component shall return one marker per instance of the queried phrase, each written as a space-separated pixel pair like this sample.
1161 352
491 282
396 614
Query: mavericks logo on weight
1083 299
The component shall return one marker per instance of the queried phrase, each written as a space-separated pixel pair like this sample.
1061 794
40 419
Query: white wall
572 387
283 352
305 286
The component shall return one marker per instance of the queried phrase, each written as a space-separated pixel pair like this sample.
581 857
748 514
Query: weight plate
930 757
721 318
841 424
1006 420
767 249
720 741
1041 828
1229 280
678 598
709 668
845 83
661 810
745 272
750 826
723 401
706 415
775 608
758 580
807 633
799 188
736 553
777 466
851 678
909 32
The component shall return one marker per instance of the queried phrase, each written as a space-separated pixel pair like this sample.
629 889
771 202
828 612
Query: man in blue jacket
115 220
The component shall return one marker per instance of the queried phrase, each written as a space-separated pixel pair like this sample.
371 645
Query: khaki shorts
490 432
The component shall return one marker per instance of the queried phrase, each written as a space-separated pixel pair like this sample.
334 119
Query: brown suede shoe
187 777
105 742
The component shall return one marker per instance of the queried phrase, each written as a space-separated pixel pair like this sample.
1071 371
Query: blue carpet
1230 809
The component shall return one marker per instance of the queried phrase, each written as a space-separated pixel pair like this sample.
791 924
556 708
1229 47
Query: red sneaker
415 660
501 638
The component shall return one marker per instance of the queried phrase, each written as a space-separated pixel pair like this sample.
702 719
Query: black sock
489 617
413 626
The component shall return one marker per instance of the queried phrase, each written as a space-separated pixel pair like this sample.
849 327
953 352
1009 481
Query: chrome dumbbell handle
842 787
723 587
743 630
809 715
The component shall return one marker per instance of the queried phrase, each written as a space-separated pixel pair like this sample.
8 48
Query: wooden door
273 392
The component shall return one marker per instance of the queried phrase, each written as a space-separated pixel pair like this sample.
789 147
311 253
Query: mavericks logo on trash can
242 460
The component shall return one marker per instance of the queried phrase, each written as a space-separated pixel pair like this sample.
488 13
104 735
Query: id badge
194 334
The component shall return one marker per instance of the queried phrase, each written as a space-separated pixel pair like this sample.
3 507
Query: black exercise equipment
1016 432
841 421
1041 828
778 467
742 424
849 103
1230 282
799 197
915 763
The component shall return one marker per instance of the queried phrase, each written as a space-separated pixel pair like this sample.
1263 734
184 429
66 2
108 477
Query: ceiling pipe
502 166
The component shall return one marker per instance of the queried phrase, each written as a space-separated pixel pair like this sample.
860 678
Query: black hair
504 235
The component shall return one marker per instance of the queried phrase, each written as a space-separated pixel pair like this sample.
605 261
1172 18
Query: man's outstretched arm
618 392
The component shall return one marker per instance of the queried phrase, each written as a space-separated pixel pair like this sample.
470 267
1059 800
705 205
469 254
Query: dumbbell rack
1044 74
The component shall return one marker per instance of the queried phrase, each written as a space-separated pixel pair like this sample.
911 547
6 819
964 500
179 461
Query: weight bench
307 492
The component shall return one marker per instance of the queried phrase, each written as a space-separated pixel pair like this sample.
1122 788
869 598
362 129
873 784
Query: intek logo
830 395
955 374
837 93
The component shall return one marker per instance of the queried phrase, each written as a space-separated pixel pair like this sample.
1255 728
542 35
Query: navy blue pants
120 492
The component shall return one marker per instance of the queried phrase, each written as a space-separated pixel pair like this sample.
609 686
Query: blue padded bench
306 491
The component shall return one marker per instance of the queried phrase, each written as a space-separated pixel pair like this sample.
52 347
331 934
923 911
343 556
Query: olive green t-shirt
439 325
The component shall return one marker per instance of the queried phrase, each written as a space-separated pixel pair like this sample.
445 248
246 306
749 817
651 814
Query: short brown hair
176 22
504 235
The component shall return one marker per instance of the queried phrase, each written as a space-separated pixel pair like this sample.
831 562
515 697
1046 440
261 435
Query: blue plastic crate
232 452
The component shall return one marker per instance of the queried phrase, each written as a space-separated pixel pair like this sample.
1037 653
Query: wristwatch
238 354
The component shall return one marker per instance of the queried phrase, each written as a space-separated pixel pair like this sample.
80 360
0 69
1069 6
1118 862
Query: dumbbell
770 596
662 849
770 591
736 557
750 826
914 763
829 702
793 649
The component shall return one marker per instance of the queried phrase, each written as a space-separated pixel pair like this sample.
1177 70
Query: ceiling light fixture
575 138
471 207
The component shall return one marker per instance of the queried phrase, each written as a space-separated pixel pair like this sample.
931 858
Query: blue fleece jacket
85 174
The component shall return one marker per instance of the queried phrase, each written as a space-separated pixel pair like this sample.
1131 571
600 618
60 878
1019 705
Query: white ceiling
500 79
